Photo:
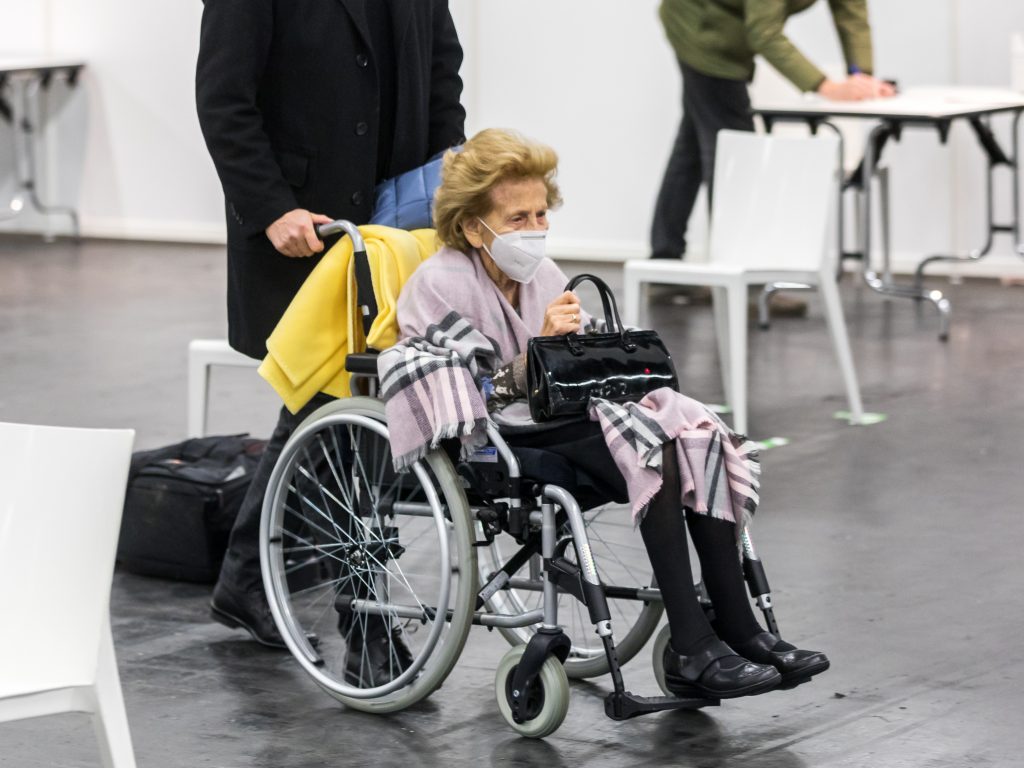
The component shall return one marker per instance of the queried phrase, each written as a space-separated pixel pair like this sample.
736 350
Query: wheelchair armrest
363 363
504 451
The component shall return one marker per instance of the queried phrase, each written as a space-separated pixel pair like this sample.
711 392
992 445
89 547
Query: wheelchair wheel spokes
621 562
360 558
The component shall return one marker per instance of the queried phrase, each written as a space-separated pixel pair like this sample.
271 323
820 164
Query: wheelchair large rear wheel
370 574
621 561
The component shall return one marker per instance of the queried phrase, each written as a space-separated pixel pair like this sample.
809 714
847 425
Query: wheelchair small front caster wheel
658 658
548 697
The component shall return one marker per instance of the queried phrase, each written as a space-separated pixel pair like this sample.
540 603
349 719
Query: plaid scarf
430 391
718 468
430 380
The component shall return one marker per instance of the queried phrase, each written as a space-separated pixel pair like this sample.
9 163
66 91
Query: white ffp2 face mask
517 254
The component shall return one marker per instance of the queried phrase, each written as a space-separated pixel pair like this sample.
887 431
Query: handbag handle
611 309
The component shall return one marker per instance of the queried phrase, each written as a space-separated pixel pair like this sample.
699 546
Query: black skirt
573 456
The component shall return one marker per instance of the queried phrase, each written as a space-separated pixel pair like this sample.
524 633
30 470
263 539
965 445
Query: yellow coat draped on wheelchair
306 352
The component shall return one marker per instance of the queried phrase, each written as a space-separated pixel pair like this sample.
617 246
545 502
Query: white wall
595 80
145 170
599 87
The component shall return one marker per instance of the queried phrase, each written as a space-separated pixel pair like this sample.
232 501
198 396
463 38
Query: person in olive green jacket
715 42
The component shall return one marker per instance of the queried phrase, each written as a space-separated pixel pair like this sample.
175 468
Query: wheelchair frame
533 513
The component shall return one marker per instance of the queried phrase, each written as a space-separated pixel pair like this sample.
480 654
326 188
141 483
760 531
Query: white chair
61 495
202 355
773 205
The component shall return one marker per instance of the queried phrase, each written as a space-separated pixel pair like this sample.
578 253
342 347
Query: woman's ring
573 316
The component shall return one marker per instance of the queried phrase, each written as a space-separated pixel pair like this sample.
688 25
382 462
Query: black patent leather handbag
563 373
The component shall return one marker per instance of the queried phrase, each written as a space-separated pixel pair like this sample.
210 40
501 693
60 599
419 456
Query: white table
936 107
22 80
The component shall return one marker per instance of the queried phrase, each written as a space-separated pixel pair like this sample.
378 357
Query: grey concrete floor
895 547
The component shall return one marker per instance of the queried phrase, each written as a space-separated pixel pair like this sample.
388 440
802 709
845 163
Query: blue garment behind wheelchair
405 201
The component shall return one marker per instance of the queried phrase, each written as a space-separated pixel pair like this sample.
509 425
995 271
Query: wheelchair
347 543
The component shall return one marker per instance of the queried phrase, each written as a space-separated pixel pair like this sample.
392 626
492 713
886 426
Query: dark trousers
709 105
578 451
573 456
240 571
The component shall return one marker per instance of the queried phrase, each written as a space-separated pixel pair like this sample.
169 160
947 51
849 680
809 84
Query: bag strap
611 309
611 312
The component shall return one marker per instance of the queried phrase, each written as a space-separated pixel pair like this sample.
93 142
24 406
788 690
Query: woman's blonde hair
468 175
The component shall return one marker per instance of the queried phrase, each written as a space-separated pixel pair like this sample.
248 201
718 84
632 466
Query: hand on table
856 87
294 234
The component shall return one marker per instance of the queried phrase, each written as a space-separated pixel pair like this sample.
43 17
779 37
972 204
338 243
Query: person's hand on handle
562 316
294 234
856 87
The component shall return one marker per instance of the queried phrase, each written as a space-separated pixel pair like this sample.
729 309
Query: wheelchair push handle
347 227
366 301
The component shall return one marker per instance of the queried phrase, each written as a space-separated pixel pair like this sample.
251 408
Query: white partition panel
597 80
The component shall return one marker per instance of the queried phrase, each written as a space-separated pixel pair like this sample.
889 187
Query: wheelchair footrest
623 706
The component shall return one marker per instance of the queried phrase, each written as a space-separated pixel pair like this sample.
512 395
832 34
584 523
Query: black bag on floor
181 503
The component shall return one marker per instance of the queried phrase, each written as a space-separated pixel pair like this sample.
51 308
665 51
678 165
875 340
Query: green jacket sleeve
764 21
851 18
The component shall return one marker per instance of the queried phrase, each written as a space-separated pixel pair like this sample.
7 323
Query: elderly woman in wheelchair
445 505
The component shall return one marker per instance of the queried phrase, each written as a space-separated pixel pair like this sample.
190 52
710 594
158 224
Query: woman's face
517 205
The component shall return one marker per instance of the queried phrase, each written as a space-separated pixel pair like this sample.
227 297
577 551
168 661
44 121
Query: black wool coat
288 104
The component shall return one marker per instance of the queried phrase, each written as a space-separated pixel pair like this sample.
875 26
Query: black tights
664 534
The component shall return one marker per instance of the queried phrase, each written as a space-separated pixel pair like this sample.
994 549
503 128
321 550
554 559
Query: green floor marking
772 442
866 420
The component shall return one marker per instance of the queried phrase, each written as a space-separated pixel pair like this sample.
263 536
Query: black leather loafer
248 610
377 659
796 666
717 672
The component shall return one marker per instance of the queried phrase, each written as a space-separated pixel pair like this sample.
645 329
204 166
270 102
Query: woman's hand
856 87
562 316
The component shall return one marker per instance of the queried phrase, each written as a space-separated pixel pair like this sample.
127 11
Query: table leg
30 110
22 115
872 279
764 298
884 201
13 206
996 157
1015 174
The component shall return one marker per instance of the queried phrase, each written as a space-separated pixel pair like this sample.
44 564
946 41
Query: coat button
362 60
357 198
361 128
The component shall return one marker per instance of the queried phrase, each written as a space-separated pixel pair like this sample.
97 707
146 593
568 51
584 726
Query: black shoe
717 672
248 610
797 666
378 659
